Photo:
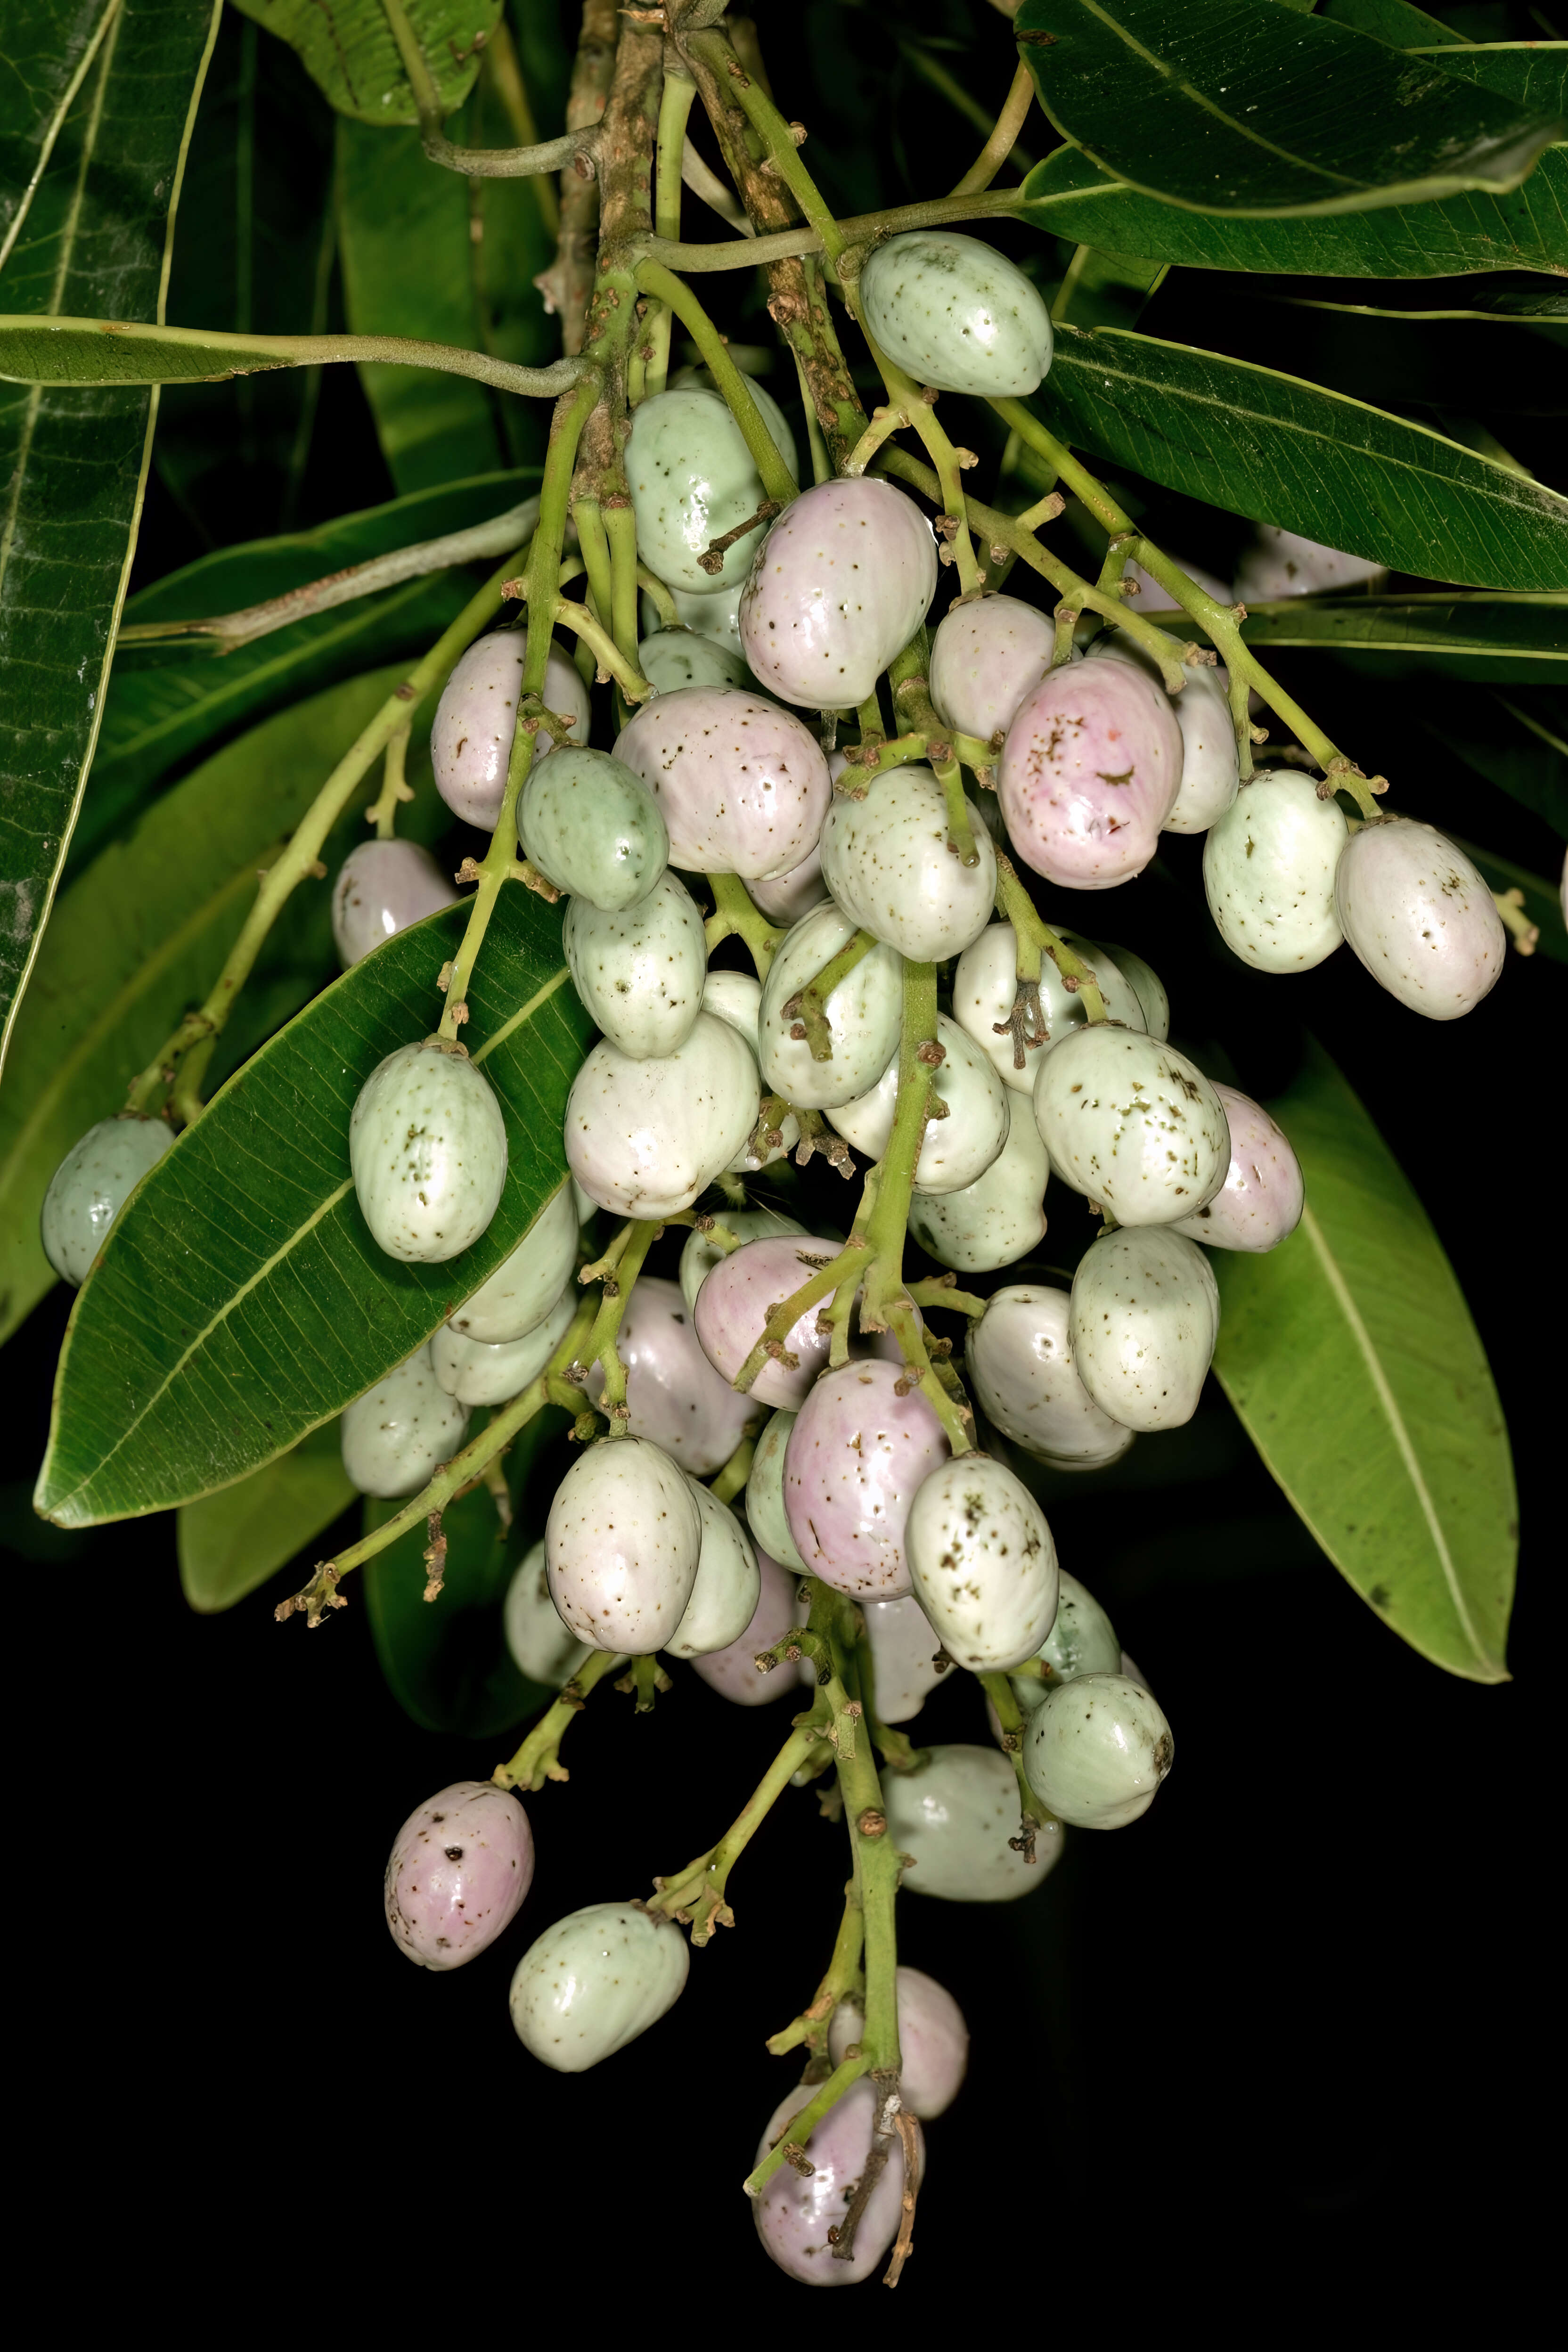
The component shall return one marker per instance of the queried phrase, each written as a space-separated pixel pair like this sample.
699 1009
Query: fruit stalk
538 1757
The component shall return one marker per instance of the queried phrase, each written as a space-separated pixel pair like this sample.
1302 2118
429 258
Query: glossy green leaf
49 50
58 350
348 50
1532 74
1282 451
1518 741
230 1542
1542 902
1394 21
1105 290
95 236
1351 1357
1484 635
239 1299
1243 106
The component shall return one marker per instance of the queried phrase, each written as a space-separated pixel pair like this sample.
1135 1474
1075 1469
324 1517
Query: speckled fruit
737 998
621 1543
673 658
591 826
91 1185
728 1583
459 1870
1143 1325
1211 768
480 1372
951 1819
863 1014
639 972
595 1981
905 1655
732 1670
856 1457
985 987
1147 987
700 1252
542 1647
956 314
887 863
1090 772
786 897
396 1436
933 2041
1095 1752
1132 1124
1281 564
1020 1364
1001 1216
692 480
985 658
476 719
1419 916
765 1513
428 1147
983 1563
382 887
644 1138
1082 1640
957 1149
795 2211
523 1289
1262 1197
675 1396
735 1302
1269 872
742 785
841 584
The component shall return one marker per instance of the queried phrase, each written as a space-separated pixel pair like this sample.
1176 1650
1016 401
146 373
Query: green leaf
1248 107
1490 638
1496 300
1532 74
1351 1357
49 51
95 236
1518 741
348 50
239 1299
1394 21
1542 902
230 1542
1285 452
1105 290
56 350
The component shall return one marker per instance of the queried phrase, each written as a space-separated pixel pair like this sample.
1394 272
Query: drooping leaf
77 351
239 1299
1518 741
1245 106
230 1542
1499 638
1282 451
1105 290
349 53
1351 1359
1542 903
94 237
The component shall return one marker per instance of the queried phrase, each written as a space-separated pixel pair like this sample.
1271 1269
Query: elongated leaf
1394 21
1285 452
1496 301
96 237
239 1299
230 1542
1244 106
57 349
1351 1357
1532 74
1524 636
1518 741
49 50
348 50
1105 290
1542 903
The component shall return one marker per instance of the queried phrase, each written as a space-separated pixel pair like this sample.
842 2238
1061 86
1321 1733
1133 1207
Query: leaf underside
349 52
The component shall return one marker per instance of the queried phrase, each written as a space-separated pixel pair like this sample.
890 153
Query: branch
475 163
790 244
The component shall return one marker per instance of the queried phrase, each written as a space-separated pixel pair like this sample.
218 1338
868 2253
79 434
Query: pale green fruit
639 972
1143 1325
595 1981
956 314
985 986
1419 916
673 658
1020 1362
592 828
1132 1124
983 1563
885 858
773 418
645 1137
1095 1752
1082 1640
621 1543
951 1820
1002 1215
692 480
736 997
542 1647
477 1372
523 1289
428 1147
396 1436
957 1149
764 1494
91 1185
863 1014
701 1254
728 1583
717 618
1146 985
1269 872
906 1659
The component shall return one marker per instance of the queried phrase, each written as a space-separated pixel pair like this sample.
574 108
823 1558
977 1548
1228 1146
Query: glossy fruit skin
1143 1325
954 1815
841 584
1261 1199
671 658
1419 916
622 1543
476 1372
957 1150
933 2041
1269 872
396 1436
700 1254
728 1583
786 897
986 657
1021 1367
593 1982
523 1289
765 1513
692 480
382 887
459 1868
591 826
732 1670
541 1645
742 785
1132 1124
428 1147
983 1563
856 1456
1081 1642
1089 774
1095 1752
986 985
887 863
717 618
956 314
1282 563
794 2214
1001 1216
1211 766
735 1302
476 719
737 998
863 1015
639 972
904 1652
645 1137
675 1397
1147 987
91 1185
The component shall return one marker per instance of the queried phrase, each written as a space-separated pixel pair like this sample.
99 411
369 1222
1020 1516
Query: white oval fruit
1282 563
673 658
959 1148
639 972
887 863
1147 987
933 2040
692 480
717 618
737 998
951 1819
1002 1215
428 1147
786 897
1419 916
1082 1640
983 1563
396 1436
480 1372
1211 765
1143 1325
644 1138
382 887
907 1657
728 1583
863 1015
523 1289
1095 1752
700 1254
91 1185
542 1647
956 314
595 1981
1261 1199
1020 1362
986 657
673 1393
476 719
1269 872
743 786
985 988
841 584
591 826
765 1513
1132 1124
621 1543
796 2210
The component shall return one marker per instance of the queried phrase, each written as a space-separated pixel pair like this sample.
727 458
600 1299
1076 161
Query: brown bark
568 282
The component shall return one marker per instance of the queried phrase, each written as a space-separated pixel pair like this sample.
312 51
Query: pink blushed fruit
795 2211
733 1673
736 1299
857 1454
1089 771
675 1397
459 1868
742 785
